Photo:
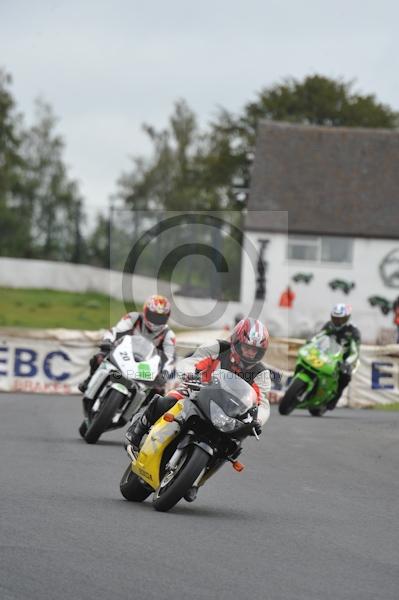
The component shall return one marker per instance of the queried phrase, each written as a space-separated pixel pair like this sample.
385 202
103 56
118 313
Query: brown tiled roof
331 180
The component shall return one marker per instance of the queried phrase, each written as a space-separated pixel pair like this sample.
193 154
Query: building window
303 248
324 249
336 249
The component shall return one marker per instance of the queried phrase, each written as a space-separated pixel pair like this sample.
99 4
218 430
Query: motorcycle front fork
87 405
206 474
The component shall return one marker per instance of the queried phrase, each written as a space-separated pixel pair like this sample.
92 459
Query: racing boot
94 363
136 431
333 403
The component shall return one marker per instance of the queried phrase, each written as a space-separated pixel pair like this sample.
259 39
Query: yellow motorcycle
191 441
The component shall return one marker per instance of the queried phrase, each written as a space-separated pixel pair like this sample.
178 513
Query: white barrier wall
55 361
29 273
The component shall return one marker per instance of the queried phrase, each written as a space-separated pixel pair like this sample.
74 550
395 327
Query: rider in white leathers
151 324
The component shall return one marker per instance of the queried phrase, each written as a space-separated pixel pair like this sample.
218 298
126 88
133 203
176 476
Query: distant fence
55 361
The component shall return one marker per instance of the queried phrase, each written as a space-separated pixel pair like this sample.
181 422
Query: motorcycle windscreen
142 348
230 392
328 345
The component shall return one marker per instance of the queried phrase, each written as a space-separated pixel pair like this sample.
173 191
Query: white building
324 203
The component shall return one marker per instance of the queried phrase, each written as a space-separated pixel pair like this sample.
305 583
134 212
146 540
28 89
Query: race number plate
144 371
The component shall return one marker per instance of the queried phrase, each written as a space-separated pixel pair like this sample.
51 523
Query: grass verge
41 308
389 407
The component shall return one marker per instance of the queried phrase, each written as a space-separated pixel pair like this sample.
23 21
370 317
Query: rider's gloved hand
254 426
257 427
251 428
105 346
191 378
99 357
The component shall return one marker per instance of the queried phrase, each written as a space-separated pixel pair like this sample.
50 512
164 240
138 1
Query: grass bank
387 407
48 309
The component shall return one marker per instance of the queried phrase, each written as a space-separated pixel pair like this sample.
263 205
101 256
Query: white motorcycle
120 386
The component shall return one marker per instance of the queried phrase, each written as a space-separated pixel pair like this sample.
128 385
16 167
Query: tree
316 100
55 203
14 223
41 210
179 175
98 243
188 171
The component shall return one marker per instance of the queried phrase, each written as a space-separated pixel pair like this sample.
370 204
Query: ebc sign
382 375
26 362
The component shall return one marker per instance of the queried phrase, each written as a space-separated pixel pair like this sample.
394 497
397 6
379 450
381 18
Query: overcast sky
107 67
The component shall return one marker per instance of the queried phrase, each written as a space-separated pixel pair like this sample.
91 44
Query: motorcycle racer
348 336
151 323
241 355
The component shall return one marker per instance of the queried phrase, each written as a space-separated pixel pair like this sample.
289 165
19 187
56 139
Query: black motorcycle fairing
220 397
198 429
234 396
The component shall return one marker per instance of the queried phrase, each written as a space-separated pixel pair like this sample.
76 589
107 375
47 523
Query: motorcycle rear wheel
165 498
291 397
132 488
103 418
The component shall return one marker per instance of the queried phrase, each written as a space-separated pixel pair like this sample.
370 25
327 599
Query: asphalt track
314 515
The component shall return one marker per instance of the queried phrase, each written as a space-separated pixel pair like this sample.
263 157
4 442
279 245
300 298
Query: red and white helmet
156 312
249 340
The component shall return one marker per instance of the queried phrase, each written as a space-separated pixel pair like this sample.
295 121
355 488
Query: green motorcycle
316 376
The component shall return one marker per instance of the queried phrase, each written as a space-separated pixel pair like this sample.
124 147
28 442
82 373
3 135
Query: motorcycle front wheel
171 491
291 397
317 411
132 488
82 429
102 420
